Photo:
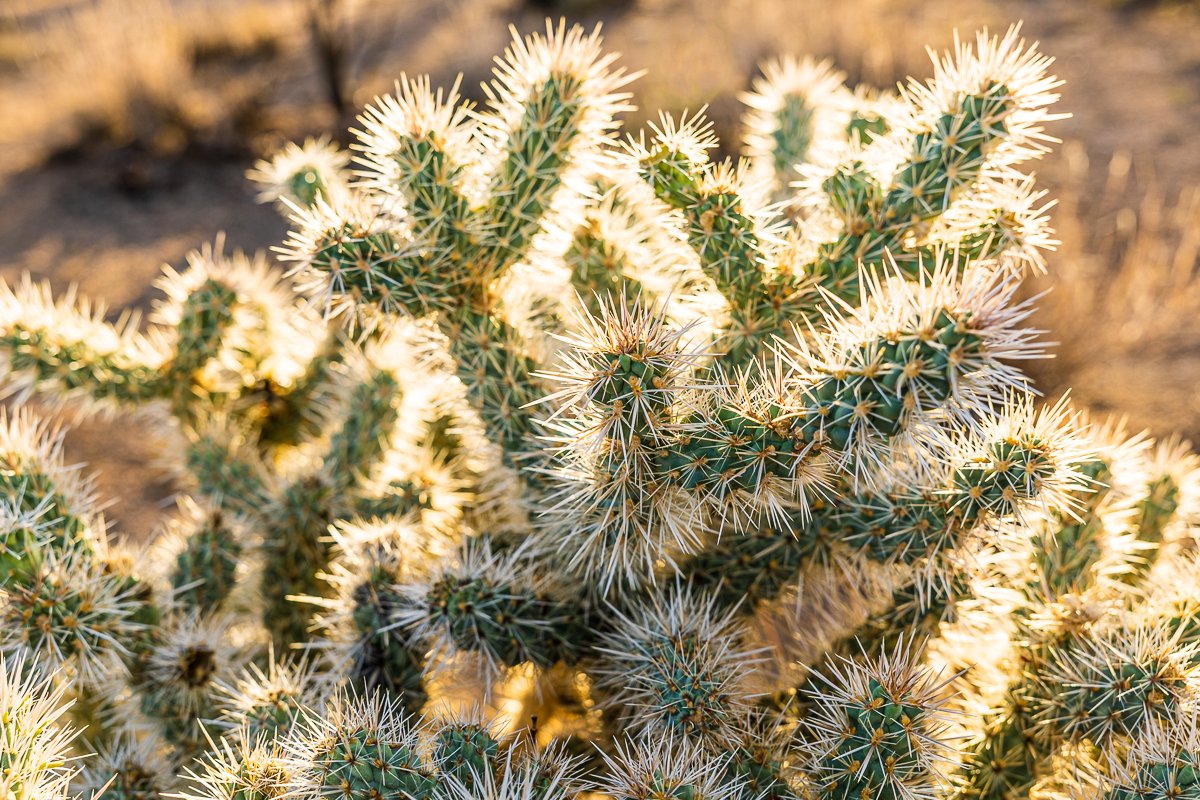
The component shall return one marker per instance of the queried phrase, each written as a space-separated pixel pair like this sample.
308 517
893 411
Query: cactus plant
489 488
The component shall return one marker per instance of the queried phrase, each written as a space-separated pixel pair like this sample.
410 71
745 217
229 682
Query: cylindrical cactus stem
64 349
384 659
287 418
496 605
1003 219
642 435
1003 761
731 237
916 608
1013 749
1165 506
45 505
370 562
417 146
227 328
1028 460
605 251
1115 686
354 257
677 665
1024 459
983 110
616 407
300 175
947 345
221 459
794 106
208 551
296 549
942 347
467 753
493 362
984 103
523 770
759 768
361 748
71 614
205 317
179 680
1087 542
236 333
240 767
878 728
369 412
552 105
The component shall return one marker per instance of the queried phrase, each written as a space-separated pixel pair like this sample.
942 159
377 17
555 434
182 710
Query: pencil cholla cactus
549 462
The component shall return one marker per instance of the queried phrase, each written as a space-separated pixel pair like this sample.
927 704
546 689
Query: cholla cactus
878 729
504 484
34 745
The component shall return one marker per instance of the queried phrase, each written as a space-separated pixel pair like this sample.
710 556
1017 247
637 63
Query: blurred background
126 128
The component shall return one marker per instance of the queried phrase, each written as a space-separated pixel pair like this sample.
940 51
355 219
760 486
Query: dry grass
131 72
1124 296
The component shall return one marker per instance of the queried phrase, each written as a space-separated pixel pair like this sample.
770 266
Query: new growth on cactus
542 461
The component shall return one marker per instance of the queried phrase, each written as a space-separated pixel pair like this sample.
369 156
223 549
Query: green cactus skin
943 162
1155 511
497 373
77 367
1178 778
20 553
58 527
511 623
205 320
297 550
466 753
56 616
222 473
1124 699
731 252
755 567
793 134
758 774
365 427
384 661
1011 755
689 700
362 764
599 269
205 571
879 752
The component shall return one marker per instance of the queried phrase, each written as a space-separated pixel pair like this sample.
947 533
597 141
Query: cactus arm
64 349
553 104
